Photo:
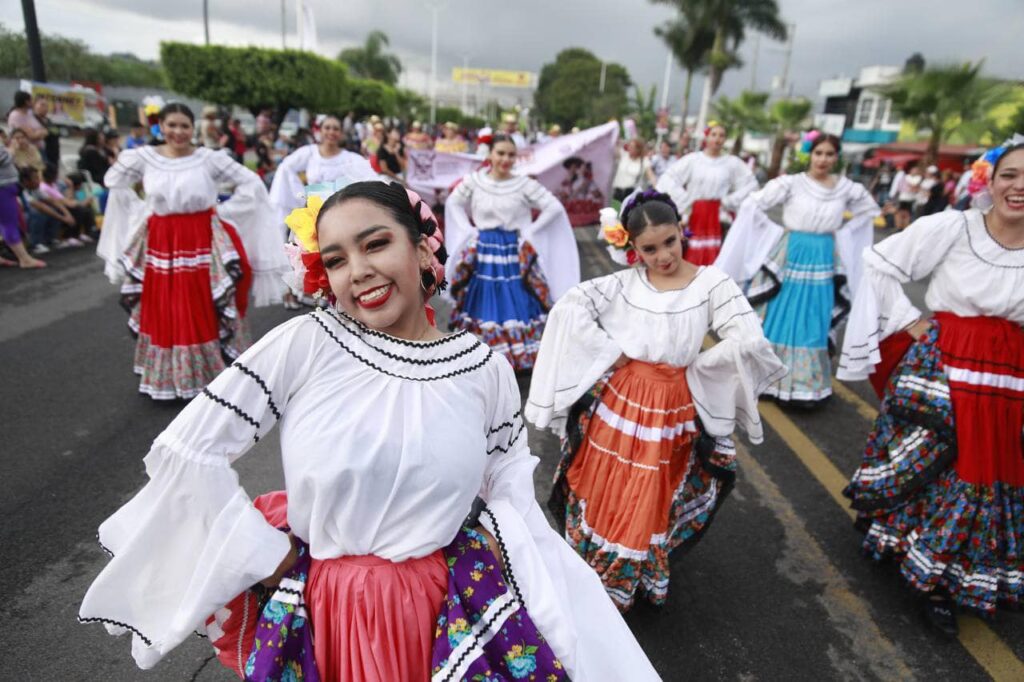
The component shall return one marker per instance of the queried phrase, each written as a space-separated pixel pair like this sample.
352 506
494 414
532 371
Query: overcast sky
832 37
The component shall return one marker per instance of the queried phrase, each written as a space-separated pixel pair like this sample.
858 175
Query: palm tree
743 114
942 99
370 60
788 117
690 41
646 110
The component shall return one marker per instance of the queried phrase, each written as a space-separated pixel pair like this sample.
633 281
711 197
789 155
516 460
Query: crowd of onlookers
915 190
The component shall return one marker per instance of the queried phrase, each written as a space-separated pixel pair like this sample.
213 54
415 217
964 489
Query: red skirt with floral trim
187 292
705 226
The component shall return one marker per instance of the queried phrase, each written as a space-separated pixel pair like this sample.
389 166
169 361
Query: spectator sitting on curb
10 216
85 220
44 215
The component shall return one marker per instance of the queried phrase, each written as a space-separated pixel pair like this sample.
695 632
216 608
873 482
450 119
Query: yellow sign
66 104
493 77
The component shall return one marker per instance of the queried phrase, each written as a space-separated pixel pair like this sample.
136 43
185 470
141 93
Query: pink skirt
373 620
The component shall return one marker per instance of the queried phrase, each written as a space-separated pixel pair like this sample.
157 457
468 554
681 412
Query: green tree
568 90
941 99
690 39
788 118
371 61
68 60
411 105
256 78
371 97
743 114
645 111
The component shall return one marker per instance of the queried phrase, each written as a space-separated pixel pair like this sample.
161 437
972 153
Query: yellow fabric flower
616 235
151 110
302 221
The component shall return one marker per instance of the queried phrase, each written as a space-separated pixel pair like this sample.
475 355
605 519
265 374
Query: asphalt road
777 590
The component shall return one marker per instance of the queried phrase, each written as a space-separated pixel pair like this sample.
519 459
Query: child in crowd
81 209
45 216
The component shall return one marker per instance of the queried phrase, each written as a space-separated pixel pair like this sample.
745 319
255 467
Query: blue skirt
799 311
501 295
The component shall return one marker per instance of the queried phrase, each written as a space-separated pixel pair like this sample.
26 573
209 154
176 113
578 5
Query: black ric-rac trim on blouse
262 384
237 410
513 438
108 621
371 365
402 358
333 312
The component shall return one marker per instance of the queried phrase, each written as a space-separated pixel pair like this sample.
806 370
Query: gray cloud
832 37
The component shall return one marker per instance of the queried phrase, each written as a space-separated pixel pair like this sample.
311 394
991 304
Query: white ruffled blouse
699 176
190 184
385 445
971 275
508 205
845 210
622 313
287 191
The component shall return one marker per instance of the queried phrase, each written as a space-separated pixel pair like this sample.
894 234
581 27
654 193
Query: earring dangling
428 280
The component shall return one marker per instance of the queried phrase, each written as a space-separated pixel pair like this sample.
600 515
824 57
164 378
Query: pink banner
577 168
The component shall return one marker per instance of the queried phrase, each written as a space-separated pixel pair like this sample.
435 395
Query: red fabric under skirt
187 292
706 232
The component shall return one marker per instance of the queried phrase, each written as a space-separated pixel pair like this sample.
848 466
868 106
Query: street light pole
435 7
465 83
35 46
206 20
604 70
283 45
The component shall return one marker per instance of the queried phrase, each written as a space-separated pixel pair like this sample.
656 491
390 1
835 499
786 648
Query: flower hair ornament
613 225
981 172
309 274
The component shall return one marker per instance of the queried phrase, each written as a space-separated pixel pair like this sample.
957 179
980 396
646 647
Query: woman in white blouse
507 267
645 413
941 487
187 263
389 431
703 185
791 273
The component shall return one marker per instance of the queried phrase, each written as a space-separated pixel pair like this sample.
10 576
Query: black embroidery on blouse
373 332
504 425
237 410
119 624
262 384
511 441
510 576
103 547
371 365
970 243
402 358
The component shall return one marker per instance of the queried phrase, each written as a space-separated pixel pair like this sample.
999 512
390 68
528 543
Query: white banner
577 168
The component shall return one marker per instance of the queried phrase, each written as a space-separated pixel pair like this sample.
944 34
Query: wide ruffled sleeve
753 234
741 183
881 307
191 540
857 233
727 379
574 352
250 212
287 191
125 212
674 180
552 237
458 229
563 595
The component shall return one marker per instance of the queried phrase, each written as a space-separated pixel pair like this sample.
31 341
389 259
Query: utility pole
753 64
299 25
435 7
665 81
465 83
789 53
206 20
283 45
35 46
604 70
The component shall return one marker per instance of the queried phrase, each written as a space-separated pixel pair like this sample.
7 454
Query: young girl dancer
508 267
790 271
389 431
646 415
941 487
186 263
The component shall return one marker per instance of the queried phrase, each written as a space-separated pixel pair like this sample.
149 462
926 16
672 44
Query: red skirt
706 232
187 292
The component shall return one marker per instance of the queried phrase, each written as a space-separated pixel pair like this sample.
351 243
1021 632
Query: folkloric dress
186 263
942 482
288 190
791 273
506 268
647 450
393 584
702 187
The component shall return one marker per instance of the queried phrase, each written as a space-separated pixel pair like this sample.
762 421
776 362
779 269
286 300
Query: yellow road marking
863 407
984 645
